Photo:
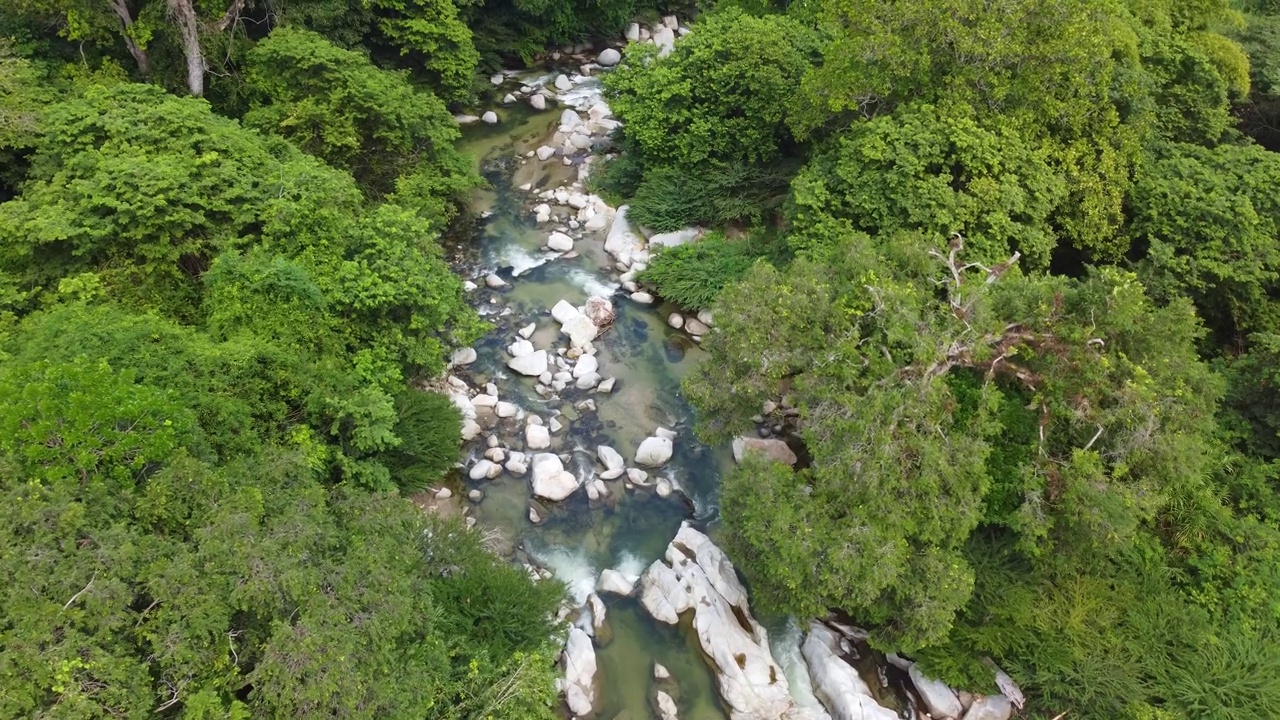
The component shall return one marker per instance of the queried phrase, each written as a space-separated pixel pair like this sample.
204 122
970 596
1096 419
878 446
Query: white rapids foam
572 568
591 284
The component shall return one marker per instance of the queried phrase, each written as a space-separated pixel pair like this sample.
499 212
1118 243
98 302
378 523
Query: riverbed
629 529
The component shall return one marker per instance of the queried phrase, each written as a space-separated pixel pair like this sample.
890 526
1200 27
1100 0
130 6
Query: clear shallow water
630 529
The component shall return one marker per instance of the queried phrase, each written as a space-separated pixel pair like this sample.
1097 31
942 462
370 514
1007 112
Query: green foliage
1191 96
23 96
1055 64
902 448
336 105
670 198
937 170
1207 221
432 37
428 425
723 94
693 274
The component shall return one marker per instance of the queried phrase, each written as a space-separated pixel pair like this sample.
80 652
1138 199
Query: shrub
692 275
670 198
428 426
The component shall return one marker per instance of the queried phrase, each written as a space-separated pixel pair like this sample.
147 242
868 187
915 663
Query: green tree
1206 222
431 36
902 396
336 105
938 170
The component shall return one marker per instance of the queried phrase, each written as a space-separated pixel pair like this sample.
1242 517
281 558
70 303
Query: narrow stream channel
631 528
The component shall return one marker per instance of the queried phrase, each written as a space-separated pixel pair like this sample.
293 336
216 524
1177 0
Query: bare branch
83 590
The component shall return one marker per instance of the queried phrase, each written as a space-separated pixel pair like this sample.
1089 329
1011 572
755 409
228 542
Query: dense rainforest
1004 273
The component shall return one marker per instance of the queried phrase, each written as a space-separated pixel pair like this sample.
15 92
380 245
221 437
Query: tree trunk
126 21
185 15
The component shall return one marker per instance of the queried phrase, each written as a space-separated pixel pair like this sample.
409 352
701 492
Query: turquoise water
631 528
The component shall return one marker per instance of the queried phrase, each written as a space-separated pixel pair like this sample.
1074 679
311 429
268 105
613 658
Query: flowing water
631 528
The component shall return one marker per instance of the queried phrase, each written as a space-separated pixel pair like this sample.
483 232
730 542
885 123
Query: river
631 528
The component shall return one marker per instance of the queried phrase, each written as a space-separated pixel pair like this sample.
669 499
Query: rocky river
581 461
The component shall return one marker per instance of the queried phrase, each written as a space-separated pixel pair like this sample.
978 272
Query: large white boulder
580 330
938 697
537 437
694 326
563 83
672 239
835 682
520 348
609 57
533 364
654 451
621 242
612 581
569 120
482 470
579 671
545 152
663 594
771 448
633 32
991 707
538 101
701 579
463 356
489 118
550 480
563 311
560 242
610 458
665 39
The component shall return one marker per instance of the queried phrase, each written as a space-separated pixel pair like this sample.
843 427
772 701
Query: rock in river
702 580
609 57
550 480
612 581
835 682
579 671
533 364
537 437
654 451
